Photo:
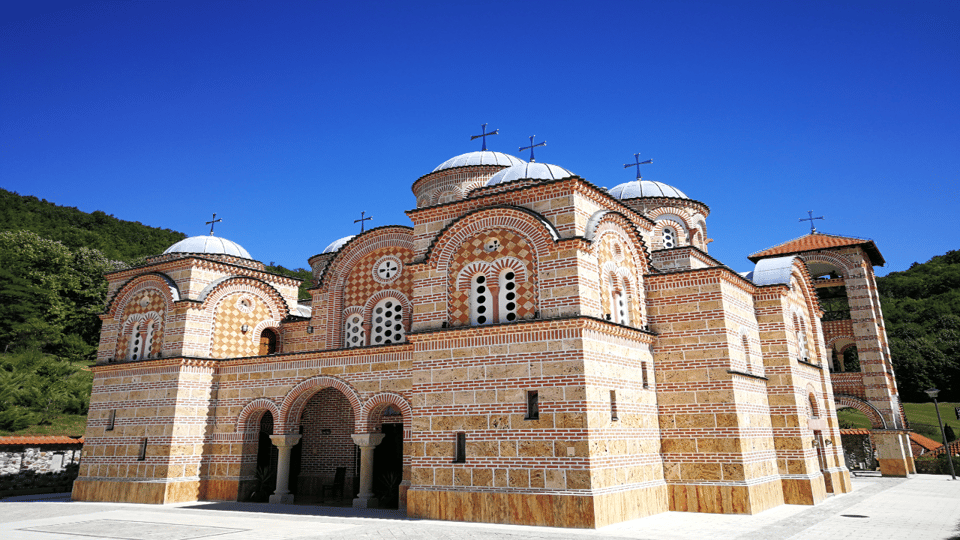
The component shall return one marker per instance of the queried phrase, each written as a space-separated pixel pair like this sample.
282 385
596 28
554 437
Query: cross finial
213 221
813 230
362 219
485 135
531 147
638 163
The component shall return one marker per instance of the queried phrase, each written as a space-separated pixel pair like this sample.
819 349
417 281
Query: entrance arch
845 401
390 415
322 414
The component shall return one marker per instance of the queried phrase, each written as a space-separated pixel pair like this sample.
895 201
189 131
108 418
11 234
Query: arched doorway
259 466
268 342
326 424
388 456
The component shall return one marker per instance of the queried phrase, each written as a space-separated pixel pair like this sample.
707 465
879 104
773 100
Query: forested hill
921 307
118 240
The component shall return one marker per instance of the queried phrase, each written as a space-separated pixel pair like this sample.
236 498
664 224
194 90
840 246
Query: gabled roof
818 241
924 442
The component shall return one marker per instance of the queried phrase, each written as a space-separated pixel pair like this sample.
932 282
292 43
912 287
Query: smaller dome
645 188
484 157
535 171
337 244
211 245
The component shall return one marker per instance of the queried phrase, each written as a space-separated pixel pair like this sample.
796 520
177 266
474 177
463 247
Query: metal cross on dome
213 221
485 135
362 219
810 218
637 164
531 147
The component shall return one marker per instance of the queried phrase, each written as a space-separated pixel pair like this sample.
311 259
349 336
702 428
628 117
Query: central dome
645 188
534 171
210 245
484 157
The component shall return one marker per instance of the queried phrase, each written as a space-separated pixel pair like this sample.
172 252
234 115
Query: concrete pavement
919 508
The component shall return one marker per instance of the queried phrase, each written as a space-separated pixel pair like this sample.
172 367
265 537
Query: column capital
367 439
281 441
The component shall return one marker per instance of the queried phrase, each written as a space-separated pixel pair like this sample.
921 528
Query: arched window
481 303
669 237
508 295
141 340
387 322
814 409
353 333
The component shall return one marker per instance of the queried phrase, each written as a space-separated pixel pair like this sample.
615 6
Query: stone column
284 444
367 442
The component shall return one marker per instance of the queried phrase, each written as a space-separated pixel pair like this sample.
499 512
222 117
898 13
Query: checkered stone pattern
607 252
144 302
361 285
229 341
472 250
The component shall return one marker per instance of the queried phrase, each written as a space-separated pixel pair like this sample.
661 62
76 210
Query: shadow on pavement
301 510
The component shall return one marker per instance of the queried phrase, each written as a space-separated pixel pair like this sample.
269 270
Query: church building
531 349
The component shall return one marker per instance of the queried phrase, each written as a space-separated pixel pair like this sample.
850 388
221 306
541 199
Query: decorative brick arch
249 418
616 223
846 401
161 282
350 254
491 270
375 404
297 397
236 284
838 262
839 338
533 227
389 293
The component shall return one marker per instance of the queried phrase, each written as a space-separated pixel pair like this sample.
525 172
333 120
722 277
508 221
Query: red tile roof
855 431
954 449
38 440
926 442
818 241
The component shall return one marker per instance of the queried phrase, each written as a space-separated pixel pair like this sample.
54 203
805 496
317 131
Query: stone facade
527 352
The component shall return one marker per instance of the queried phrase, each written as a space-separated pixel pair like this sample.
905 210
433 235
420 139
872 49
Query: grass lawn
71 425
923 413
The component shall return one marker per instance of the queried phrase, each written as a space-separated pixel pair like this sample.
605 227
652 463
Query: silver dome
645 188
337 244
484 157
535 171
213 245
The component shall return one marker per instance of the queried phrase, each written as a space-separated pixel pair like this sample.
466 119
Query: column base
366 502
286 498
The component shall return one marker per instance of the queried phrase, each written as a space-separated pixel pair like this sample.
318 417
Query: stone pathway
919 508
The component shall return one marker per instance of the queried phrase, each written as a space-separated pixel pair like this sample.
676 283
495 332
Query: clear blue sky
290 118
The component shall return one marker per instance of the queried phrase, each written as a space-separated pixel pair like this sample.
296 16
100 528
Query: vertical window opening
746 354
643 373
143 450
387 322
460 455
111 420
533 405
669 237
613 405
480 301
508 296
353 333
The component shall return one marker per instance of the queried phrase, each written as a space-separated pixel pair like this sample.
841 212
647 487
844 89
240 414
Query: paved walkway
919 508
